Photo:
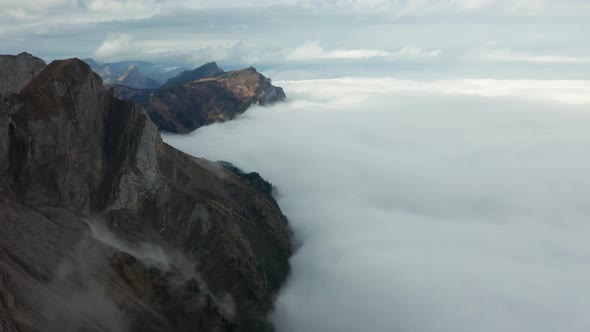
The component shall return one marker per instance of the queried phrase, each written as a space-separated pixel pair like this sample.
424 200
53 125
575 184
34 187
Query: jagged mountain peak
134 78
211 65
91 62
71 70
17 71
204 95
132 70
110 72
208 70
25 54
47 90
72 152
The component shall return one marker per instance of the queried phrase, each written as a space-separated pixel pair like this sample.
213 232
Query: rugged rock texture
203 96
208 70
133 78
102 219
111 72
16 71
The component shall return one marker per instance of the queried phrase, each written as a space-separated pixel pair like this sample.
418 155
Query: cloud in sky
114 46
114 9
425 211
48 12
353 37
507 55
314 51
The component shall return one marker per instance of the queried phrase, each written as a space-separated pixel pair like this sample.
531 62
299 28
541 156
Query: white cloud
473 4
361 6
529 7
314 51
507 55
124 47
42 12
424 212
115 46
362 89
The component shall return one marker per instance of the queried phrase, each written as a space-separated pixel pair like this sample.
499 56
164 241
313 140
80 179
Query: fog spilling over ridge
422 206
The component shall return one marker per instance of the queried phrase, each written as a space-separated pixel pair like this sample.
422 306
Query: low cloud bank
424 211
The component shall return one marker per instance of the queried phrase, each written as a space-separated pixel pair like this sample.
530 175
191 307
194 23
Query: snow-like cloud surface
344 90
425 206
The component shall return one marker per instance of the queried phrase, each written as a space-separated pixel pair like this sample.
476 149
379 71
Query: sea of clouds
425 206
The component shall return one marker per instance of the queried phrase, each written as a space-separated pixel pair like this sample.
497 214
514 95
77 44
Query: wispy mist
79 296
430 211
81 290
147 252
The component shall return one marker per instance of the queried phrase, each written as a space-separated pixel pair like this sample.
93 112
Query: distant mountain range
207 70
181 101
134 74
199 97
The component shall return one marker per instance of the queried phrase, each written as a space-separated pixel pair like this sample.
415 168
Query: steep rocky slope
111 72
17 71
132 77
203 96
107 228
208 70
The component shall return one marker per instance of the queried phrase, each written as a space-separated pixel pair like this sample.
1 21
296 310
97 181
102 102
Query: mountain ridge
208 70
133 77
203 96
153 75
17 71
72 153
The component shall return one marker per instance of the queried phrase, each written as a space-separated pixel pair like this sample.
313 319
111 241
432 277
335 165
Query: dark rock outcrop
253 178
203 96
194 246
16 71
208 70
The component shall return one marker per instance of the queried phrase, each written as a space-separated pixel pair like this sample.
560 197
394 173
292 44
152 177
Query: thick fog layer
423 208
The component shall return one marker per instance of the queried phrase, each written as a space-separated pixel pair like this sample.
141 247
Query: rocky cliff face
16 71
203 96
133 78
107 228
208 70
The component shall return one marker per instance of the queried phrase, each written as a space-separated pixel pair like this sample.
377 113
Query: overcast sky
290 38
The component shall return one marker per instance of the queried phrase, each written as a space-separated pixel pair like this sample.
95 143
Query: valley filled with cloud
431 155
424 206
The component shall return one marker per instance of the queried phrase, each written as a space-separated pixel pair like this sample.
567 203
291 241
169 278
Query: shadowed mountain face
203 96
107 228
132 77
208 70
17 71
134 74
